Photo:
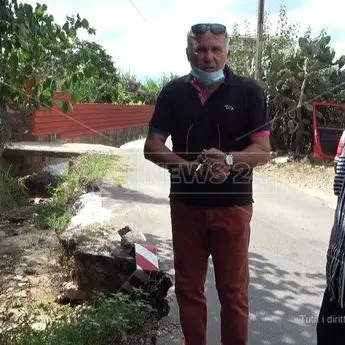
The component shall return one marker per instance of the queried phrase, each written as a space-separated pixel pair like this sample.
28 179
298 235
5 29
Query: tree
127 89
149 91
32 46
242 52
310 74
296 72
99 84
131 91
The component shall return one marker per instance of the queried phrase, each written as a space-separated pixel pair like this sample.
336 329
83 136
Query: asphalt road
290 233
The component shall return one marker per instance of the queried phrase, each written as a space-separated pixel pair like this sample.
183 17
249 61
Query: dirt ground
30 273
312 178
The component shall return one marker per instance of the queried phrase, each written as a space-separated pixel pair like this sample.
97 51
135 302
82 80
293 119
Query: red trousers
224 233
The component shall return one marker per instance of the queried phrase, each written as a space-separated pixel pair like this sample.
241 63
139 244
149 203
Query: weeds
55 217
84 170
12 193
105 321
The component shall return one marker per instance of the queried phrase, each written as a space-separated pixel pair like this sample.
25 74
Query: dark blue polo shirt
226 121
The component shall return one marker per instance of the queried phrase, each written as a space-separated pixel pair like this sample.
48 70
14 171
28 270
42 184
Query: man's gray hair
190 35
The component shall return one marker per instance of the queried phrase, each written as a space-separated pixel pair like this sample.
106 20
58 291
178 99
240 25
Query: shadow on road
127 195
279 307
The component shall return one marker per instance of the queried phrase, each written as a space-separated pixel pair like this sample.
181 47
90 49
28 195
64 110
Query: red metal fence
88 118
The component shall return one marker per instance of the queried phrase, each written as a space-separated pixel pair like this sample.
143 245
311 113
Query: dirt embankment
311 178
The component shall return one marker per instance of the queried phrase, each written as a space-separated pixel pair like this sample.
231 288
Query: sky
148 37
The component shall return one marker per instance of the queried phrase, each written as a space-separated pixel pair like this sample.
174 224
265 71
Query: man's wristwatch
229 159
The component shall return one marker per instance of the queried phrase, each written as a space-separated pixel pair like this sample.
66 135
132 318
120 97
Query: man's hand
214 166
214 155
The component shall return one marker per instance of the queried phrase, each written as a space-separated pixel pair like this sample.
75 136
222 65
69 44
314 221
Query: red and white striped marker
146 258
147 265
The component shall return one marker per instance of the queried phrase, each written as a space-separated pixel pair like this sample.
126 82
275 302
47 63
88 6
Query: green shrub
12 192
106 321
85 169
55 217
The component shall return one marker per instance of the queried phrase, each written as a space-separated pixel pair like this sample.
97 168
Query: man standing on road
219 129
331 321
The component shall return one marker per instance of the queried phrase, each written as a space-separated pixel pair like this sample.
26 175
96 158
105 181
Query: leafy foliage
99 83
131 91
107 320
296 72
242 52
12 193
38 57
33 48
55 217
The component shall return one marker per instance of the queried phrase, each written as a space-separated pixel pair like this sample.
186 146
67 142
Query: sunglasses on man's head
200 29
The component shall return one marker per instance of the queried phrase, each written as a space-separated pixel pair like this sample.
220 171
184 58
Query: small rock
273 154
15 314
18 271
18 277
21 294
71 292
281 160
22 284
118 238
39 326
69 286
124 230
94 186
40 184
131 238
30 271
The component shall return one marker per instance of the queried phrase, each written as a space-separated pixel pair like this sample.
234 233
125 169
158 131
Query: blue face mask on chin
207 78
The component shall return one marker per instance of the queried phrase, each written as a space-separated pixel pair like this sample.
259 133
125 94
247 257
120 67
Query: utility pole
259 38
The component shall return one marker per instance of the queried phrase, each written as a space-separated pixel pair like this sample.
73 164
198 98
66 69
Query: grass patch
55 217
84 170
107 320
12 193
